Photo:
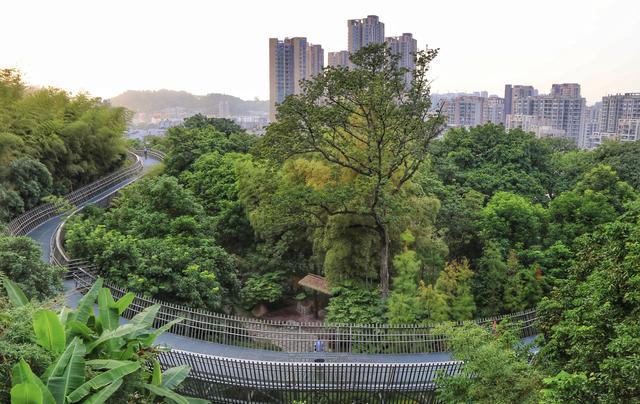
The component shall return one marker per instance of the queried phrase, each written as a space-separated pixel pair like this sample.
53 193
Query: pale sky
109 46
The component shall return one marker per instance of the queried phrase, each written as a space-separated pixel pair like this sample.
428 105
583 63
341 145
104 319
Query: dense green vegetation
52 143
155 241
357 182
20 261
357 188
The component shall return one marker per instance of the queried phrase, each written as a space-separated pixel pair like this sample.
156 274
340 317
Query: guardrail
281 336
157 154
28 221
280 379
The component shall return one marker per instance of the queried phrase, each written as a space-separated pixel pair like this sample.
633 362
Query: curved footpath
221 370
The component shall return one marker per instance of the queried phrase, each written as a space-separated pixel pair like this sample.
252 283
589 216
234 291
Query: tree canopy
366 132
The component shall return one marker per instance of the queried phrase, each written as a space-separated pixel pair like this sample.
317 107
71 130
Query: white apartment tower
563 108
364 32
291 60
406 47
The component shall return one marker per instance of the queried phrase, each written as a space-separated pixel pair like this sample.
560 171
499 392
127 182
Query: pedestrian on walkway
319 345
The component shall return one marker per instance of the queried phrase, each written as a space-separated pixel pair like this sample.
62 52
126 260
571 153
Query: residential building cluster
292 60
560 113
617 117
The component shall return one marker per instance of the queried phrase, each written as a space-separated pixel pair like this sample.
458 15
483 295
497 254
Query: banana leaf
49 331
15 294
146 317
124 302
67 372
101 380
107 313
172 377
103 394
166 393
156 375
85 306
21 373
26 393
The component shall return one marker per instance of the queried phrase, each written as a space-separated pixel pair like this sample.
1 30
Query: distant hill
165 100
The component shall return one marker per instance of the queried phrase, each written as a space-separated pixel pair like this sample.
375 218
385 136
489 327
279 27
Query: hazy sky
108 46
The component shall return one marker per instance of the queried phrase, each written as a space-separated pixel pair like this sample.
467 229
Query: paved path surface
42 234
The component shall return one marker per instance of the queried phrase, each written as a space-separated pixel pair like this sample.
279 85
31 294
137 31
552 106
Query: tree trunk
384 261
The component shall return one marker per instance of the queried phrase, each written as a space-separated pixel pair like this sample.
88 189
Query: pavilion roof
315 282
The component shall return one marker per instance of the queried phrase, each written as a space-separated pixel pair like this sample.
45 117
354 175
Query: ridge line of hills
150 101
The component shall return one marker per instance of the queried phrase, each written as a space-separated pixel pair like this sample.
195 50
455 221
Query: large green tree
599 197
511 220
198 136
489 159
214 180
496 368
370 128
623 158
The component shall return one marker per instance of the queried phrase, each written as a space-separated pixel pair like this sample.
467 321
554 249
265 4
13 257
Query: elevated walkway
234 359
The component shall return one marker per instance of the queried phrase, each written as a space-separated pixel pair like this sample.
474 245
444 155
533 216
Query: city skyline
154 45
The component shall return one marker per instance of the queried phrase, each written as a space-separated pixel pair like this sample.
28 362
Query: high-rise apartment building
406 47
566 90
315 60
363 32
628 131
590 123
493 109
340 58
616 107
290 61
514 94
565 112
618 119
464 110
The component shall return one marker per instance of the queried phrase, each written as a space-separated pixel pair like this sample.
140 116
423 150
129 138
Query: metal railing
281 336
157 154
212 376
28 221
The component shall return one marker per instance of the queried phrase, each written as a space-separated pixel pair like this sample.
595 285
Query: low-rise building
540 126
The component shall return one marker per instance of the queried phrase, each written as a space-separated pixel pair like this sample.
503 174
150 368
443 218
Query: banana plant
94 344
14 293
